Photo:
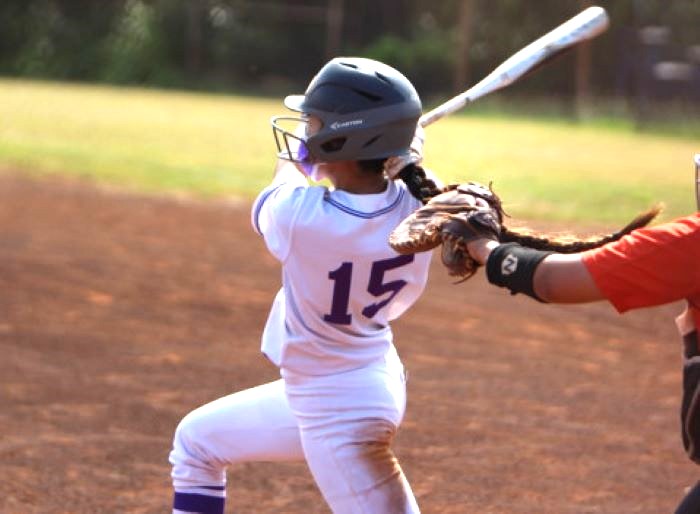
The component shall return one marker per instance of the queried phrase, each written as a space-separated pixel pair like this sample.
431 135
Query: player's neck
366 188
347 176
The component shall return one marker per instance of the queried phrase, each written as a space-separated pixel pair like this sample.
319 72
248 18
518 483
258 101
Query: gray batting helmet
368 110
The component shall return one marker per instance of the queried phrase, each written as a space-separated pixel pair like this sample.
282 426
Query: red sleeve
650 266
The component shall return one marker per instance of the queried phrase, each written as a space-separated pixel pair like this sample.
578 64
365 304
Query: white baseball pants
342 424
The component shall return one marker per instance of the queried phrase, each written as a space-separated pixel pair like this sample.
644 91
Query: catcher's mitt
462 213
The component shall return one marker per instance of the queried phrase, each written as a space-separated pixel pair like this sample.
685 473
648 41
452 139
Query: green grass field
216 145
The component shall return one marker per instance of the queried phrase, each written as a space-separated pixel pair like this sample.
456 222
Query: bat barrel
584 26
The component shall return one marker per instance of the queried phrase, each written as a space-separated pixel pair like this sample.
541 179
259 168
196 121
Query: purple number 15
342 277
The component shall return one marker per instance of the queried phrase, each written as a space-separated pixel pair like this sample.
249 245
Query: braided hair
424 189
418 183
414 176
573 244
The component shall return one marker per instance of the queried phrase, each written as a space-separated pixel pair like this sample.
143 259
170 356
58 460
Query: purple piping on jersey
359 214
258 207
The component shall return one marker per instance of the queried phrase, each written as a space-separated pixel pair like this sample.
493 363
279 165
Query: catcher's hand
461 214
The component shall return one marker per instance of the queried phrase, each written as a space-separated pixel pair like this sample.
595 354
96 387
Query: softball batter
342 392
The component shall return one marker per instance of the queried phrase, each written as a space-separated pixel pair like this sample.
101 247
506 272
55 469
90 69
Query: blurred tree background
651 53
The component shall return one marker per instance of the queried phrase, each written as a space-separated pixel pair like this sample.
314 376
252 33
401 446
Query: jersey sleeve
274 211
651 266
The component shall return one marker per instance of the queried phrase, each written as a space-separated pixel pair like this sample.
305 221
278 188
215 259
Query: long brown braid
418 183
572 244
424 189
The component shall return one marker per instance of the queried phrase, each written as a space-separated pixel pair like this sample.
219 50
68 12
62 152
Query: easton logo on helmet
343 124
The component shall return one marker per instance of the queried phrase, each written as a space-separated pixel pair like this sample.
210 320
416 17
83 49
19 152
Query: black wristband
513 266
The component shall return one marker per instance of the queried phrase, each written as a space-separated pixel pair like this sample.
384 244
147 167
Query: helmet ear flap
334 145
337 144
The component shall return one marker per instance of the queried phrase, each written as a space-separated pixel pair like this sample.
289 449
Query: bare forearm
565 279
558 278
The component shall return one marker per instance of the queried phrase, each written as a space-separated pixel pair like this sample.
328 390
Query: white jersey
341 281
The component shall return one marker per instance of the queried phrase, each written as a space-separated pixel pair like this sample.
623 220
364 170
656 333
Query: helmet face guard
292 146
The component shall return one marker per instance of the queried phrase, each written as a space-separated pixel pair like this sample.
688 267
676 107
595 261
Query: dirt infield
120 313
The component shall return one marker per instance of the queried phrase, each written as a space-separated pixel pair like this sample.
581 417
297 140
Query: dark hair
372 165
565 243
418 183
